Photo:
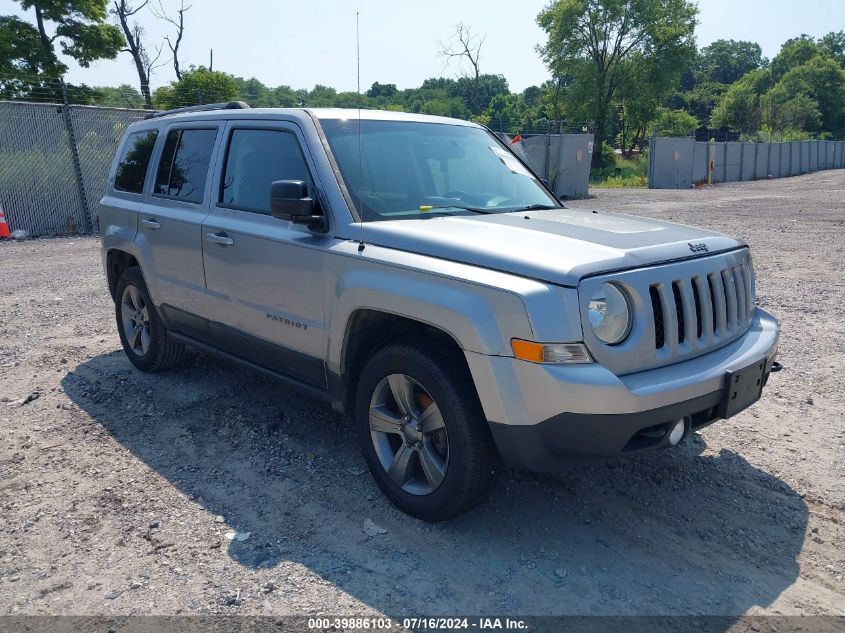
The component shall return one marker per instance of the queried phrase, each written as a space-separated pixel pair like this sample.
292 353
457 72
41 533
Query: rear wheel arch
118 261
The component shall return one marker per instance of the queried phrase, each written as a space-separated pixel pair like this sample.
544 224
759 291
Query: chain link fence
54 160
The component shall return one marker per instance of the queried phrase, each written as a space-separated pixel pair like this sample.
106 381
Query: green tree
700 100
255 93
739 108
124 96
388 91
794 52
725 61
802 92
27 51
592 39
478 92
787 114
322 97
645 86
197 86
674 123
834 45
822 81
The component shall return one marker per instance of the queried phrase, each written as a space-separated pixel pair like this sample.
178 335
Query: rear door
170 220
264 275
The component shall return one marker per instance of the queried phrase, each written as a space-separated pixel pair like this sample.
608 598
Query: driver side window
254 159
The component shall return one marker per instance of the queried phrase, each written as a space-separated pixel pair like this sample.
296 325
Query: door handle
151 223
220 238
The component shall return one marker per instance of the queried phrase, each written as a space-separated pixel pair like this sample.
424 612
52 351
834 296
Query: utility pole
211 59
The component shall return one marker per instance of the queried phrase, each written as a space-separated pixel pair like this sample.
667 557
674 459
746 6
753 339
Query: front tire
145 340
423 432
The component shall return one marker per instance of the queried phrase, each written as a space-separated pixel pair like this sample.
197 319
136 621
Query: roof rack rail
231 105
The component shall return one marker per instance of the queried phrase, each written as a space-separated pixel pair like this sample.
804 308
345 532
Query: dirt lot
117 488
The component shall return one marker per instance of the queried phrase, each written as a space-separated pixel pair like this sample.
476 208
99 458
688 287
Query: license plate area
743 388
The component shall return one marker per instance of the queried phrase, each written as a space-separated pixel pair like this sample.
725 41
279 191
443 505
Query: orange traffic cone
4 226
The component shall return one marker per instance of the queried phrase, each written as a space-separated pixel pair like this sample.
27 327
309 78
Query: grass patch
625 173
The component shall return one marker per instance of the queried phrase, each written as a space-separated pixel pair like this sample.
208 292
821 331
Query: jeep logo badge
699 247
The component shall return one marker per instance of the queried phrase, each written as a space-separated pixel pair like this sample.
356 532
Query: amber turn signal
553 353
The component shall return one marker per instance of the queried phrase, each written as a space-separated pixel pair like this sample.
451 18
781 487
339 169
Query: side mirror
289 200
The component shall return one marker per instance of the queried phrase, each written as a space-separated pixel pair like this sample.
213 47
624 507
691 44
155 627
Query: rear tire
423 432
146 341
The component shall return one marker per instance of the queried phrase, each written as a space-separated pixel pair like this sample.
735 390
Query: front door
264 275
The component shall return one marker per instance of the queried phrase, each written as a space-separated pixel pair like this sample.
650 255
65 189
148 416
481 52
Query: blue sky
306 43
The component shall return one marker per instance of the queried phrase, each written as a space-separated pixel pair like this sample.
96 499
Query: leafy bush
608 155
624 173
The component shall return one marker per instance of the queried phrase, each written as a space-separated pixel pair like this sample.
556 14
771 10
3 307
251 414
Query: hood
559 246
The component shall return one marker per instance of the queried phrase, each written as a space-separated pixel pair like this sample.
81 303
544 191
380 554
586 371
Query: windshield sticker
511 162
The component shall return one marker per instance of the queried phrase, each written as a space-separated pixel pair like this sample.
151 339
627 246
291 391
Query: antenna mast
360 157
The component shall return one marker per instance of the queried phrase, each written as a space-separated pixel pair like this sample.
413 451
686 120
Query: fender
480 319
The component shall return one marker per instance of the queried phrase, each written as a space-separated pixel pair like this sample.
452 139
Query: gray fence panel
794 158
840 155
572 179
555 144
761 160
671 160
776 161
812 156
748 161
718 153
733 152
38 187
534 150
699 162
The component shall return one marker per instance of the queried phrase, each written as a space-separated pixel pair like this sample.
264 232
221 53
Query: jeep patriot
413 271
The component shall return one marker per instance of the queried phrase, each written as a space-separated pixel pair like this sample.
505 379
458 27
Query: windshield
413 170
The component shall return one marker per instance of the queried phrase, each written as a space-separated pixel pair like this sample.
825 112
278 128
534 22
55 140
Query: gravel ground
118 489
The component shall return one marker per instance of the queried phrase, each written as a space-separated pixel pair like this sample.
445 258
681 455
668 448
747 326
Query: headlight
609 312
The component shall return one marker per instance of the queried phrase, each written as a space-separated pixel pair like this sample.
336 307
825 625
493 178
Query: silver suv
412 271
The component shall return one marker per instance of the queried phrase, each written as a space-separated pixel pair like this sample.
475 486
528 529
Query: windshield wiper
538 207
425 208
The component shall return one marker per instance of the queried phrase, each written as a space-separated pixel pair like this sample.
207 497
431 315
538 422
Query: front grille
682 310
657 311
721 302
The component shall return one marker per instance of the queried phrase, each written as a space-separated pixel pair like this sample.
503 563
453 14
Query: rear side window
134 160
254 160
183 168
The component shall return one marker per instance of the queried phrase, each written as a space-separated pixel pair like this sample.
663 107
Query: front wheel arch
369 331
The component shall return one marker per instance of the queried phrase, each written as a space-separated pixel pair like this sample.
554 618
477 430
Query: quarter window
134 160
255 159
183 168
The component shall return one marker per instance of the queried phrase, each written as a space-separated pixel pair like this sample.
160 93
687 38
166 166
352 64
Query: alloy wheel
135 317
409 434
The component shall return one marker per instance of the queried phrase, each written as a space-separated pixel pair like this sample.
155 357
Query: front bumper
542 414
